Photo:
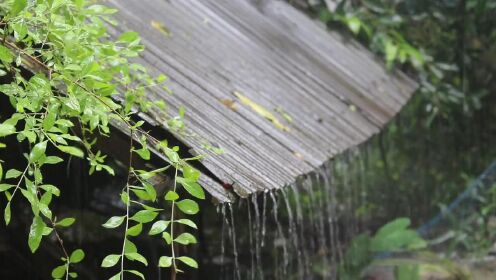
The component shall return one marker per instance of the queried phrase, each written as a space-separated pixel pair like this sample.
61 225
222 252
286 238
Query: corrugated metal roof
231 62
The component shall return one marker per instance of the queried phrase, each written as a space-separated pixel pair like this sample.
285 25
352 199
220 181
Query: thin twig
128 202
61 244
174 266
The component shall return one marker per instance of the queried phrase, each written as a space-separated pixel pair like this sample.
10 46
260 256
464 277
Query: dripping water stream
297 232
236 271
281 237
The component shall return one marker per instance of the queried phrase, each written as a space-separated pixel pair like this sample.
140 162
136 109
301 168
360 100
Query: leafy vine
65 103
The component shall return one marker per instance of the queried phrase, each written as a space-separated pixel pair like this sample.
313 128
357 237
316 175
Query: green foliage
407 272
66 104
473 227
394 236
446 131
423 36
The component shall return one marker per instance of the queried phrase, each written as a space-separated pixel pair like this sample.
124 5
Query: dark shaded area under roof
276 90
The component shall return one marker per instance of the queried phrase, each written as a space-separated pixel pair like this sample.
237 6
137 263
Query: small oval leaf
114 222
77 256
110 260
188 261
165 261
158 227
188 206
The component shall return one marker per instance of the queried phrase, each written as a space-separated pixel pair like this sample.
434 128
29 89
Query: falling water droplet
223 240
257 237
322 237
250 234
293 235
307 185
280 232
264 217
299 218
236 272
325 174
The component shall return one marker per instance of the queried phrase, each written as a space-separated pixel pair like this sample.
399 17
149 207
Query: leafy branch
78 73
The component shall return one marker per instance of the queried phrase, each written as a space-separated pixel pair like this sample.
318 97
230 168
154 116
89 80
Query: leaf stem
19 183
128 201
61 243
173 253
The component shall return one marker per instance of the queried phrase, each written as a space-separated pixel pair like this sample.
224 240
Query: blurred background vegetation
445 137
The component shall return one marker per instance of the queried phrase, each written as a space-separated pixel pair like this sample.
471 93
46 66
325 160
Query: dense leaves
444 137
447 44
80 81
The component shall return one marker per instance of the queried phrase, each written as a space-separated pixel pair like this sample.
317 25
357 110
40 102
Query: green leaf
37 151
116 277
172 155
72 103
18 6
135 230
47 231
13 173
6 129
141 194
5 55
187 222
110 260
35 233
129 247
151 191
4 187
147 175
144 153
137 273
46 198
188 206
77 256
188 261
67 222
7 214
158 227
59 271
144 216
114 222
125 198
165 261
73 67
192 188
393 226
396 236
167 237
52 160
185 239
129 37
1 172
390 50
71 150
137 257
354 24
49 120
190 173
171 196
51 188
45 210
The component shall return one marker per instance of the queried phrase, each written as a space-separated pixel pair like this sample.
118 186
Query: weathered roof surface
219 51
